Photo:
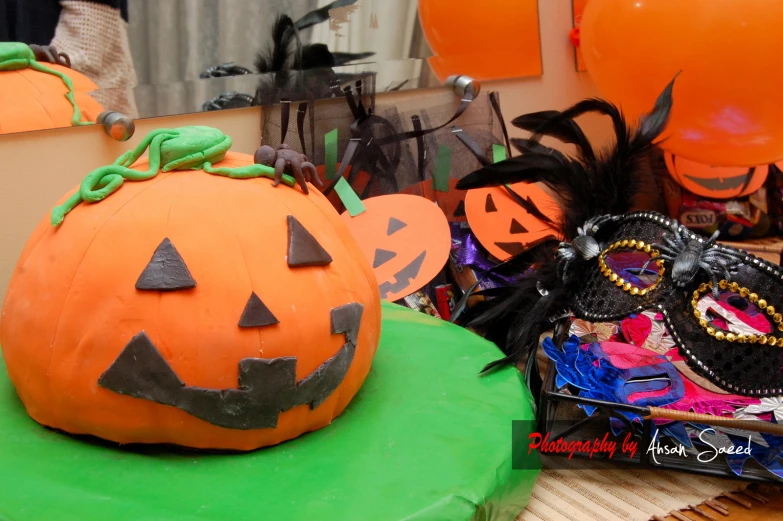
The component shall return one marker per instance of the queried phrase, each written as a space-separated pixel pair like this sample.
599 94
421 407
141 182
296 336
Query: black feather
529 167
553 123
529 146
586 186
344 58
309 74
516 264
528 204
276 58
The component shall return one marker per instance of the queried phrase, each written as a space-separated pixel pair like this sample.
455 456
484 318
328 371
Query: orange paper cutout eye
406 238
502 225
715 182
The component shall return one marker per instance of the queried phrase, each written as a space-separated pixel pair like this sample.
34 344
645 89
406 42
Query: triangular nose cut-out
459 211
166 271
489 205
395 225
256 314
516 227
382 257
303 248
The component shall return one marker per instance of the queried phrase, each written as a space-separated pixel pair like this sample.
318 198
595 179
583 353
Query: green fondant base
426 438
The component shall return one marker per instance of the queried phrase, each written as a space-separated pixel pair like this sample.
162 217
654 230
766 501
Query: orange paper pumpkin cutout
32 100
83 293
452 203
503 226
406 238
715 182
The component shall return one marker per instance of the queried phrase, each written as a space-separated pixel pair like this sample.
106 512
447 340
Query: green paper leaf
440 179
330 154
350 200
498 153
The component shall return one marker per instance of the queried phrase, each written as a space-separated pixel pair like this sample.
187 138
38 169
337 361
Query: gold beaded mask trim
722 307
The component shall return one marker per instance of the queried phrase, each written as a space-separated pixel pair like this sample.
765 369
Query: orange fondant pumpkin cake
197 305
39 96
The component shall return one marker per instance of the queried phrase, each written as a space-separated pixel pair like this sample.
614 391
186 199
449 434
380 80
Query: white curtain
176 40
386 27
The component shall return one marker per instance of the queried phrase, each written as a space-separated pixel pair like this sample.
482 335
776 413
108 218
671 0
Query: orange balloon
406 238
486 40
715 182
727 99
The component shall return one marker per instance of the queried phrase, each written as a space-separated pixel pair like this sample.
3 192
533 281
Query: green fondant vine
15 56
184 148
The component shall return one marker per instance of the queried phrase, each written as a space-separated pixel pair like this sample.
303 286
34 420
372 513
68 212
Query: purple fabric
467 252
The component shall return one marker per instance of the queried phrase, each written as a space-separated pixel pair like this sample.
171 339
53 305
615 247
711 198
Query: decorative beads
720 335
626 286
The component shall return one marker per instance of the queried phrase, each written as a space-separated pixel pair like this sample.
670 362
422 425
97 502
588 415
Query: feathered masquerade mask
722 306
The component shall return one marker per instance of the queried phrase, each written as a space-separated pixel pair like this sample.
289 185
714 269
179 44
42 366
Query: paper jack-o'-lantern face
452 203
715 182
505 224
192 309
405 237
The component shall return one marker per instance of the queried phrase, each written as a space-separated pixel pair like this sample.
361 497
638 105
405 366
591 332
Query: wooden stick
703 513
708 419
738 500
758 497
679 516
717 506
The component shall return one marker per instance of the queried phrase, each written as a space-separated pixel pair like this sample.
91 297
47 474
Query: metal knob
117 125
464 85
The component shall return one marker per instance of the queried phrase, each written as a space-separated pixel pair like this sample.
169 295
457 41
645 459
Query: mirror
152 58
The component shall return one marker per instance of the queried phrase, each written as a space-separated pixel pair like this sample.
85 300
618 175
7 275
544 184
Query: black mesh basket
390 144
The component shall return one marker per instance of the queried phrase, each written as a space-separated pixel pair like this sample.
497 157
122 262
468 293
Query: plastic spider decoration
689 254
288 161
584 245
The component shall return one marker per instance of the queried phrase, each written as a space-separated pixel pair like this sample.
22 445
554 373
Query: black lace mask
722 306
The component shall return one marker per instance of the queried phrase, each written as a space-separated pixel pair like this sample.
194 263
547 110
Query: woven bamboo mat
583 490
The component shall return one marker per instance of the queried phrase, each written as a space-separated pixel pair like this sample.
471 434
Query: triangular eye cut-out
489 205
382 257
256 314
166 271
395 225
516 227
303 248
459 211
